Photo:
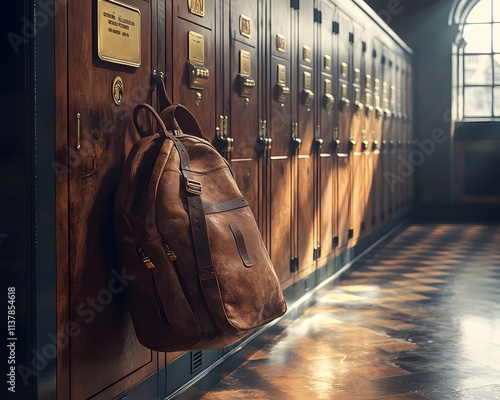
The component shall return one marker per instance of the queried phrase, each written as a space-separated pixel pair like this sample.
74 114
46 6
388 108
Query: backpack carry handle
177 116
146 106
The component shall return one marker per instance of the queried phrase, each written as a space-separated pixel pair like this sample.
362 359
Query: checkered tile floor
419 318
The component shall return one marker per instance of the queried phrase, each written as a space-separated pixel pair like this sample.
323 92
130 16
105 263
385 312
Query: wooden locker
356 137
326 114
388 133
101 356
191 61
344 74
238 125
380 146
368 135
397 116
275 140
304 74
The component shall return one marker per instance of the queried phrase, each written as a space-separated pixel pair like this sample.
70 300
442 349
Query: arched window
477 68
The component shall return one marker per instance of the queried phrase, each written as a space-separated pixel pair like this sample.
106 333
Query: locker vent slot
335 27
318 16
196 361
295 4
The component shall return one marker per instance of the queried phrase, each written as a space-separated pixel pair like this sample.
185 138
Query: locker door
356 137
239 120
409 125
191 61
344 129
102 354
378 141
275 138
327 180
398 122
390 186
305 107
367 135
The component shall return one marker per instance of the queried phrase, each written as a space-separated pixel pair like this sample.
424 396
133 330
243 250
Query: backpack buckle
193 187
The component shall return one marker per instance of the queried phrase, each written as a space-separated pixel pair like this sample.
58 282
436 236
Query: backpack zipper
145 259
163 315
170 254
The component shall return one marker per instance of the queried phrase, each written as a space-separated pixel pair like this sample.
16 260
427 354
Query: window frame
460 55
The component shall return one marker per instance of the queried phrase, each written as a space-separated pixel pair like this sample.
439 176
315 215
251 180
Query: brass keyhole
117 90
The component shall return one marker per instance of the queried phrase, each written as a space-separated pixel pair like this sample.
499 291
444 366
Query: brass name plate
196 47
280 43
377 84
368 98
368 81
197 7
245 63
245 26
118 33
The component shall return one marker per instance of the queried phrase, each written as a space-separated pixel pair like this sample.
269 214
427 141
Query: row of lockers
311 101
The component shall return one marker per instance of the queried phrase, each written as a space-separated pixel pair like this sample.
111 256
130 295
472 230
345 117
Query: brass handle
379 112
368 110
78 132
307 98
263 142
296 141
364 145
328 101
359 106
387 113
224 143
375 145
351 144
318 140
344 103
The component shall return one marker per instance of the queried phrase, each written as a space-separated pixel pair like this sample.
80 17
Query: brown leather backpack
203 277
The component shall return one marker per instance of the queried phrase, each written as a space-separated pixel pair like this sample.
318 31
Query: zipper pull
145 259
170 254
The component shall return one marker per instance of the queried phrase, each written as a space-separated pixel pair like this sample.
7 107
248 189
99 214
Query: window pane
481 12
478 38
496 37
497 102
477 101
496 63
496 11
477 70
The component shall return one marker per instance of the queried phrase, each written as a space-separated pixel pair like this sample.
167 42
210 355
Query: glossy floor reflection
419 318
